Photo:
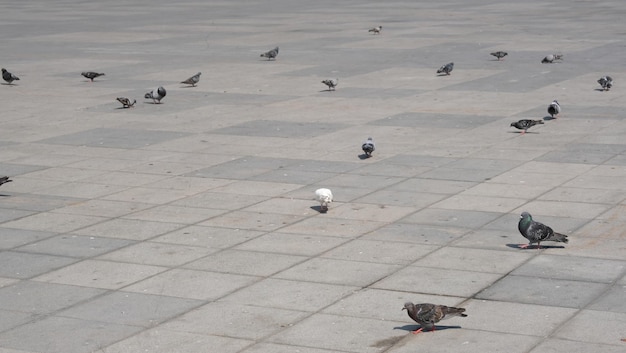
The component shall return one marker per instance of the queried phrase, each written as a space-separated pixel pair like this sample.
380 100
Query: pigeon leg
523 132
525 246
418 330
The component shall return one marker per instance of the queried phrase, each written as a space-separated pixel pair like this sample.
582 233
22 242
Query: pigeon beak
403 309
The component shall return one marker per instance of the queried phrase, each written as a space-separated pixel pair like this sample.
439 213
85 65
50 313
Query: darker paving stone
572 268
412 233
292 176
36 202
275 128
26 296
243 168
18 169
575 157
11 319
12 238
612 300
114 138
451 218
11 214
372 93
24 265
75 246
445 173
420 161
543 291
435 120
323 166
516 81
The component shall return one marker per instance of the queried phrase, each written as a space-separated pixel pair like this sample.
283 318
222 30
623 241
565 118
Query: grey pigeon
272 54
554 108
156 95
549 59
376 30
331 83
126 103
499 54
427 315
4 180
193 79
606 82
368 147
525 124
91 75
446 69
9 77
537 232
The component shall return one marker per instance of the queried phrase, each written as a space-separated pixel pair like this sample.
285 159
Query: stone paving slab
192 224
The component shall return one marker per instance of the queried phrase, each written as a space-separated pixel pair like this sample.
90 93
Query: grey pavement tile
612 300
361 180
575 157
295 295
81 189
451 218
278 128
346 334
279 348
390 169
572 268
445 121
36 202
427 280
208 237
412 233
220 200
456 258
159 340
599 248
134 309
376 251
25 297
543 291
11 319
403 198
333 227
155 196
12 238
258 188
293 176
602 228
114 138
15 169
129 229
236 320
502 240
59 334
9 214
175 214
610 331
74 246
54 222
100 274
353 273
192 284
258 221
292 244
581 210
480 203
103 208
586 195
241 262
25 265
553 345
285 206
433 186
157 254
460 174
364 211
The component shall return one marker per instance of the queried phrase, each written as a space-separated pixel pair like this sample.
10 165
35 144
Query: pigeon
91 75
126 103
369 146
537 232
500 54
526 124
606 82
156 95
193 79
331 83
325 197
446 69
9 77
272 54
4 180
376 30
554 108
427 315
549 59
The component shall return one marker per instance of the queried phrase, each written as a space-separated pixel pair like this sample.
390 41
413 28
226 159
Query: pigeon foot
418 330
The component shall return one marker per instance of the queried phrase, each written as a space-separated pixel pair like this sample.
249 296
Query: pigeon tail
558 237
4 180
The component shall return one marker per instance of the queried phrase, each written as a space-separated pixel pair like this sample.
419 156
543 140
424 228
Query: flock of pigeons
425 314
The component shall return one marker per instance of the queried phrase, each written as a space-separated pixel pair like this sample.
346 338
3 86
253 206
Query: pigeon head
408 306
525 215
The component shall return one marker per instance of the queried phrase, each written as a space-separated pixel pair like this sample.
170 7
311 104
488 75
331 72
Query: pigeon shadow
9 84
412 328
523 133
442 74
188 86
4 195
319 209
153 103
599 89
364 156
548 118
534 247
327 90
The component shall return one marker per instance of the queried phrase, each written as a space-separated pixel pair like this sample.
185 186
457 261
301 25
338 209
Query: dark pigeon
537 232
606 82
4 180
500 54
193 79
446 69
376 30
525 124
554 108
9 77
126 103
331 83
91 75
156 95
427 315
272 54
368 146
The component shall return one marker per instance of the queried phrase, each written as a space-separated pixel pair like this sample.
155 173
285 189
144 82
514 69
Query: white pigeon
325 197
156 95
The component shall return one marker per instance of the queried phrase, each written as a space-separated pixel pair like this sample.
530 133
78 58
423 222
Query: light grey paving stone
175 214
346 334
480 203
209 237
237 320
575 157
412 233
445 121
259 221
433 185
584 195
612 300
292 176
12 238
479 260
12 170
426 280
282 348
554 345
608 330
294 295
451 218
259 188
129 229
36 202
572 268
404 198
277 128
158 254
23 265
250 263
25 297
54 222
500 240
114 138
74 246
134 309
219 200
7 214
60 334
375 251
11 319
543 291
363 211
334 227
159 340
291 244
284 205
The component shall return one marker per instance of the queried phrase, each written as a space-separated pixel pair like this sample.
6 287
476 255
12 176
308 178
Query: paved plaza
191 226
